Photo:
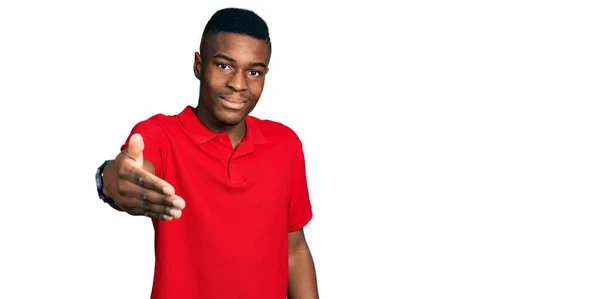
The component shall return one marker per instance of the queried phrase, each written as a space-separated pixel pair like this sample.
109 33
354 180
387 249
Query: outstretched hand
138 191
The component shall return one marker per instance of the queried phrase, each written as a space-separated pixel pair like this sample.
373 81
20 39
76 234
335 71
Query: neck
236 132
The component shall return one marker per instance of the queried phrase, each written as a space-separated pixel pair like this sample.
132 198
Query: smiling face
232 72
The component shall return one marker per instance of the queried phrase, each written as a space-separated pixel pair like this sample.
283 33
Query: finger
158 216
140 207
161 209
150 214
135 148
136 206
145 179
128 189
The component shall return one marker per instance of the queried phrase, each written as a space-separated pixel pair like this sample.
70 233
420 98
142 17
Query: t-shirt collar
190 121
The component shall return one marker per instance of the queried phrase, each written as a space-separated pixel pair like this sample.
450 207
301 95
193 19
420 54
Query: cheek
214 80
256 89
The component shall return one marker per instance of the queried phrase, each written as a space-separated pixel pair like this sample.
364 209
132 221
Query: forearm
302 279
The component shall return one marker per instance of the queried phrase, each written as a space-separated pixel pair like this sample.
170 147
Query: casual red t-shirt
231 240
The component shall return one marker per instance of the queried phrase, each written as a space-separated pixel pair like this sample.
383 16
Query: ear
198 66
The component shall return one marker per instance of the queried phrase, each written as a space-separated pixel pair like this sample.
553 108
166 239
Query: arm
302 279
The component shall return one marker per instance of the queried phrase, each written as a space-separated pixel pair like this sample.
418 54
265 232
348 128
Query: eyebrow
223 56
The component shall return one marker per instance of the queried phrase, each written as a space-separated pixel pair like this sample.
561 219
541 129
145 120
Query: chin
230 118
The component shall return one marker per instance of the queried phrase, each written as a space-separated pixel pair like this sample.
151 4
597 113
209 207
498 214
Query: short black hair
238 21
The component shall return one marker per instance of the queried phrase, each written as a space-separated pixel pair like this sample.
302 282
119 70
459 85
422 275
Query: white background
452 146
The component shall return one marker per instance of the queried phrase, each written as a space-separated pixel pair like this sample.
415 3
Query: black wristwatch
99 183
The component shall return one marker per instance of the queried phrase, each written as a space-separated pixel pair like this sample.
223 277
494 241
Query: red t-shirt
231 240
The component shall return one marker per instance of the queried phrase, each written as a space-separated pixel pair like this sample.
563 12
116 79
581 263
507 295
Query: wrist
102 190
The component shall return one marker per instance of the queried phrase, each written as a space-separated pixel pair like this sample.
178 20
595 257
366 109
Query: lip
232 102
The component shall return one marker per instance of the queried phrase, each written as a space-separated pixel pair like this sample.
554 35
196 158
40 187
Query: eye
223 66
254 73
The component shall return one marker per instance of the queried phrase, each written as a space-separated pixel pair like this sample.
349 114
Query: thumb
136 148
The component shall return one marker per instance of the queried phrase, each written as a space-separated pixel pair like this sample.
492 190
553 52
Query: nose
237 81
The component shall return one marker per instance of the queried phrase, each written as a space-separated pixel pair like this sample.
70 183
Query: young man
227 192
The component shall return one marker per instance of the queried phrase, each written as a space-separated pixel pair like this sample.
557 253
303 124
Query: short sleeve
300 208
154 143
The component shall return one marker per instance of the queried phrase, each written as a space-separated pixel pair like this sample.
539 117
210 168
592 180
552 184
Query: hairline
213 34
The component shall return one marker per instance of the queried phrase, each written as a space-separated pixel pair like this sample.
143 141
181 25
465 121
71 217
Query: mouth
233 103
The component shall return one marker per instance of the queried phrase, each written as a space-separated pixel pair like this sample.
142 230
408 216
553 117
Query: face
232 75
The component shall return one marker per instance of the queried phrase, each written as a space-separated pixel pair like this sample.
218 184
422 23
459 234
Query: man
227 191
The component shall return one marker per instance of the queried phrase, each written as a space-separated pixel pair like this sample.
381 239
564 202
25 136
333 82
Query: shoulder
277 132
158 122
